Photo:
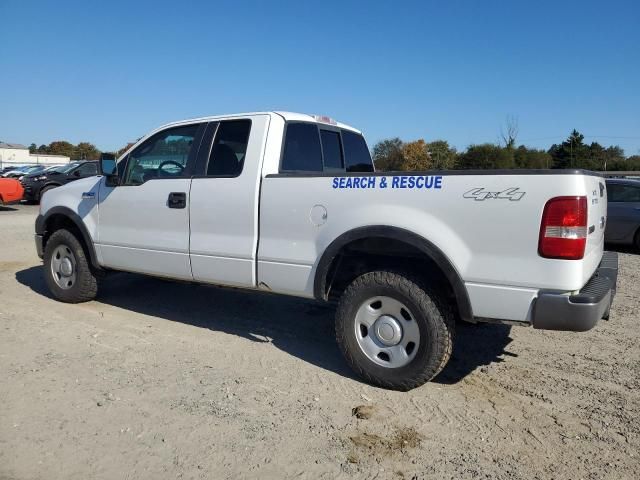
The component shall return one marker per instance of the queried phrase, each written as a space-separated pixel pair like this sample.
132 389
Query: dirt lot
163 380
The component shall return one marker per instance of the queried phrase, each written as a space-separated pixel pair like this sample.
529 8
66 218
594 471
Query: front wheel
394 331
66 269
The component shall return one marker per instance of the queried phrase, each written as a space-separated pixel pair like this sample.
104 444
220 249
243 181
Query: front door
143 223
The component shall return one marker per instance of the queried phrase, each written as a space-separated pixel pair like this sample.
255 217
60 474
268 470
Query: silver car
623 222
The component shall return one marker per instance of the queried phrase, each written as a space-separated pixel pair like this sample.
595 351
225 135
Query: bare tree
509 133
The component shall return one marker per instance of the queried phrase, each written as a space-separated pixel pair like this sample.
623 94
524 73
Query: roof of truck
288 116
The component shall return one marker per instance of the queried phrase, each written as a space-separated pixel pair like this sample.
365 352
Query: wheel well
60 220
380 252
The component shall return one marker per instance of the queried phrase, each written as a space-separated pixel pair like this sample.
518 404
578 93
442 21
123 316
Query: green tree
486 156
33 148
61 147
415 156
387 154
572 153
531 158
443 156
86 151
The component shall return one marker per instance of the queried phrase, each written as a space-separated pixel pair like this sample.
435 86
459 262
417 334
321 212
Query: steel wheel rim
64 267
387 332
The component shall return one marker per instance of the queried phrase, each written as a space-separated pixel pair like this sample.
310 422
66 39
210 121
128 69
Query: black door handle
177 200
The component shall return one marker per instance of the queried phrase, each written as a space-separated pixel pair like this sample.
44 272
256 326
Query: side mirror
109 167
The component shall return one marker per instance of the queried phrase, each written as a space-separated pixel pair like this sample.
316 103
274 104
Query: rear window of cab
316 148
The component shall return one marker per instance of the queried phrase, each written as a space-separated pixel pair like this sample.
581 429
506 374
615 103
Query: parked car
623 217
290 204
11 191
16 171
7 169
36 184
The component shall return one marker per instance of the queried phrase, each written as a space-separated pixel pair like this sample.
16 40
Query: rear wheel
66 269
394 331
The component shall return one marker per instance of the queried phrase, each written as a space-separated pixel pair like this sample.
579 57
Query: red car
10 191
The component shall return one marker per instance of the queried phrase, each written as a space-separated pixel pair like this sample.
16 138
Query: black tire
85 286
432 313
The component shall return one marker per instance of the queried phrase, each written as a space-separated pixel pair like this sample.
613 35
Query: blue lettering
372 182
428 182
394 182
356 182
335 182
403 182
342 182
412 182
420 182
438 182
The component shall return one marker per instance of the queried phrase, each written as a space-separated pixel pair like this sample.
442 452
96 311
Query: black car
623 217
36 184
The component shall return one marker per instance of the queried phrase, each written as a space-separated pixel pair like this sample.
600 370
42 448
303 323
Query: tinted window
622 193
302 148
356 153
229 148
331 149
88 169
164 155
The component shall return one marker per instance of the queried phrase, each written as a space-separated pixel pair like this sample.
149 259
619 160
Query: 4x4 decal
480 194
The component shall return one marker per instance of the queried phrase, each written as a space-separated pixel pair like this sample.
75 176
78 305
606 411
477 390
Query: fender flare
41 229
400 234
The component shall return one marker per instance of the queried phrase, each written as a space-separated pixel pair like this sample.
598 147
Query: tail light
563 231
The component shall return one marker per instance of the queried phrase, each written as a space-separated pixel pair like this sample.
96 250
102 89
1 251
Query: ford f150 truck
291 204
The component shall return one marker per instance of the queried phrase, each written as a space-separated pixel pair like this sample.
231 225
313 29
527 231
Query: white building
18 155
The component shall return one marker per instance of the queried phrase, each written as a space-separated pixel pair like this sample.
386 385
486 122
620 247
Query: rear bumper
581 311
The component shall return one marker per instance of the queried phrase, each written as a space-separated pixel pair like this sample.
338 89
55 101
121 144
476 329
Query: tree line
396 155
81 151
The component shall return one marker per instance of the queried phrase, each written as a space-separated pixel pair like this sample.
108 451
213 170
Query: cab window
331 150
356 154
165 155
302 152
312 148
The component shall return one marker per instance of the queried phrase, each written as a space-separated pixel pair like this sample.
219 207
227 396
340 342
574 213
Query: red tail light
563 231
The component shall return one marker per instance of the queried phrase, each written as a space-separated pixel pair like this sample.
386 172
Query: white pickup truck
291 204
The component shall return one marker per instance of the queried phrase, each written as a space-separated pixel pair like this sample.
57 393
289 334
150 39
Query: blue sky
107 72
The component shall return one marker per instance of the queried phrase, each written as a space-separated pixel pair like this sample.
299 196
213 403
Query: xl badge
480 194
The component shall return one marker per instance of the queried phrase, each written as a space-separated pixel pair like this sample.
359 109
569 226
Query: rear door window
331 150
356 154
302 151
229 149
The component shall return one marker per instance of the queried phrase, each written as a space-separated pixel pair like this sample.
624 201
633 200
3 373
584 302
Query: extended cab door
143 223
224 202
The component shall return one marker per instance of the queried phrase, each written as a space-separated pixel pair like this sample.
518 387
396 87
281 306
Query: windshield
65 168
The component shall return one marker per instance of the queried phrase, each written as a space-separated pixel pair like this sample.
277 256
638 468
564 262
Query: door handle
177 200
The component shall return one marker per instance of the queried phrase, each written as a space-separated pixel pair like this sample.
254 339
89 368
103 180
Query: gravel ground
170 380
